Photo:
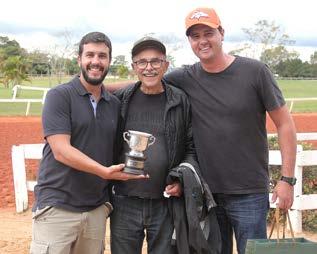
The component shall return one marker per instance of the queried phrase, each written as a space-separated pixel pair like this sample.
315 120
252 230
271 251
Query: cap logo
198 15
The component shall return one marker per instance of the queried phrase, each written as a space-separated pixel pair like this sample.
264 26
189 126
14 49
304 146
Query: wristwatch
290 180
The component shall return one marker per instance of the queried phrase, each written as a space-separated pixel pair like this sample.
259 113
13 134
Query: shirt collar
82 90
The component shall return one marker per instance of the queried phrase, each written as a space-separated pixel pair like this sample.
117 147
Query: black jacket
195 221
177 122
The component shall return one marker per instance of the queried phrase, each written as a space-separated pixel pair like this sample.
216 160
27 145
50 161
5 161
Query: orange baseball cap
204 16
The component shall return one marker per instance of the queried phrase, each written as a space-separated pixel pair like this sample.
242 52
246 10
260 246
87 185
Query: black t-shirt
229 116
146 114
68 110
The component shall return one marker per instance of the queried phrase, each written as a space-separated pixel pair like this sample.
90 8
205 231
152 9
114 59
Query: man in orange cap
230 96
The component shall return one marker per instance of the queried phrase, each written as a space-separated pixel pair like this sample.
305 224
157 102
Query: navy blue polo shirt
68 110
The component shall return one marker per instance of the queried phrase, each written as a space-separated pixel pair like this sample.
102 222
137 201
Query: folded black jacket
194 217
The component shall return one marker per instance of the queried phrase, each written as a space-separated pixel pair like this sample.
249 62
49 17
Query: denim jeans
132 217
245 215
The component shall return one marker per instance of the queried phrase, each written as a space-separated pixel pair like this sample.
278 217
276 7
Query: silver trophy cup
138 142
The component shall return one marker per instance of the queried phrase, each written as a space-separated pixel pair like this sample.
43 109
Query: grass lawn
300 89
290 89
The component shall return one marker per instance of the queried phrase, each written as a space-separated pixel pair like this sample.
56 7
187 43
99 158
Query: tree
10 47
120 60
313 58
14 71
273 56
122 71
272 42
268 34
39 62
61 53
72 66
13 63
119 67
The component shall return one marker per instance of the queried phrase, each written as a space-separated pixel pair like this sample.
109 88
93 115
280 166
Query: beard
93 81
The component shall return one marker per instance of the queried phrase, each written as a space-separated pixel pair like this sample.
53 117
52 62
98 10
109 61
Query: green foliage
14 71
119 67
10 47
13 63
313 58
123 71
273 41
72 66
309 217
295 68
273 56
39 62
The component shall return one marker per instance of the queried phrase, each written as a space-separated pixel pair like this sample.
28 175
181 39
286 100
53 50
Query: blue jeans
245 215
133 216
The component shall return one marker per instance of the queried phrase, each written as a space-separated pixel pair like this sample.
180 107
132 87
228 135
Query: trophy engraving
138 142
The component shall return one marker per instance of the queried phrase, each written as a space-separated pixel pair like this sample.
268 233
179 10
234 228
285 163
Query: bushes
309 217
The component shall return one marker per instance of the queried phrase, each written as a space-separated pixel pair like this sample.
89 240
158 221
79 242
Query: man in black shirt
230 96
153 107
80 123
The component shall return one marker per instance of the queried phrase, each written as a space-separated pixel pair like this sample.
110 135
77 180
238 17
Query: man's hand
174 189
115 172
285 194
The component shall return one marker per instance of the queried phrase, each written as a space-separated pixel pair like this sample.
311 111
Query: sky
40 24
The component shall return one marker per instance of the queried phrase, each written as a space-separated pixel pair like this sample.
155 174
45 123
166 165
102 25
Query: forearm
287 144
286 138
77 160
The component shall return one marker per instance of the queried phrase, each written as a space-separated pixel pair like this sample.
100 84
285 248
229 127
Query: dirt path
15 229
15 233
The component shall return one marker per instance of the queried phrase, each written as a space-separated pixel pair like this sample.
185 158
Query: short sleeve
270 92
56 113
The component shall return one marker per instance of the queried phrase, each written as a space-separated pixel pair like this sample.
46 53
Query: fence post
15 91
296 215
27 108
19 177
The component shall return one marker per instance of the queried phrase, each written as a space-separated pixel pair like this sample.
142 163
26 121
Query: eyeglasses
155 63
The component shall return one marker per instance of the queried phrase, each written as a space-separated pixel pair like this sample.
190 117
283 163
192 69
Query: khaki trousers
57 231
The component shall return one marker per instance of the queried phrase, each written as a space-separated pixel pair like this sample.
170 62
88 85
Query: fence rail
301 202
27 101
293 100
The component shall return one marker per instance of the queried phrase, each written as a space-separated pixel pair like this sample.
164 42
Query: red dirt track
28 130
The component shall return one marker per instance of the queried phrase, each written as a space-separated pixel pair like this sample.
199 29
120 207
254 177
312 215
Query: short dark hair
95 37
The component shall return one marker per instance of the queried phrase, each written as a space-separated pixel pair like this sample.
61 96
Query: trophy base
133 171
134 164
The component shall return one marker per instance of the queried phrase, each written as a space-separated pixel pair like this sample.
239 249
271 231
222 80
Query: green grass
290 89
300 89
19 109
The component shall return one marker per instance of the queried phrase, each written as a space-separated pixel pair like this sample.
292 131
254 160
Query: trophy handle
152 140
125 135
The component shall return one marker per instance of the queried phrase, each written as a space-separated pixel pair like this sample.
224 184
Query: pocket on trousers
40 212
38 248
108 208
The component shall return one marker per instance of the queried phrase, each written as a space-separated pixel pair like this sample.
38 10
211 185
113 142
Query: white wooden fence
21 185
28 102
33 88
301 202
293 100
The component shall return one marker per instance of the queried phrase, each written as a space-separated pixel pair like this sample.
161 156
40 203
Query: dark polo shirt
68 110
